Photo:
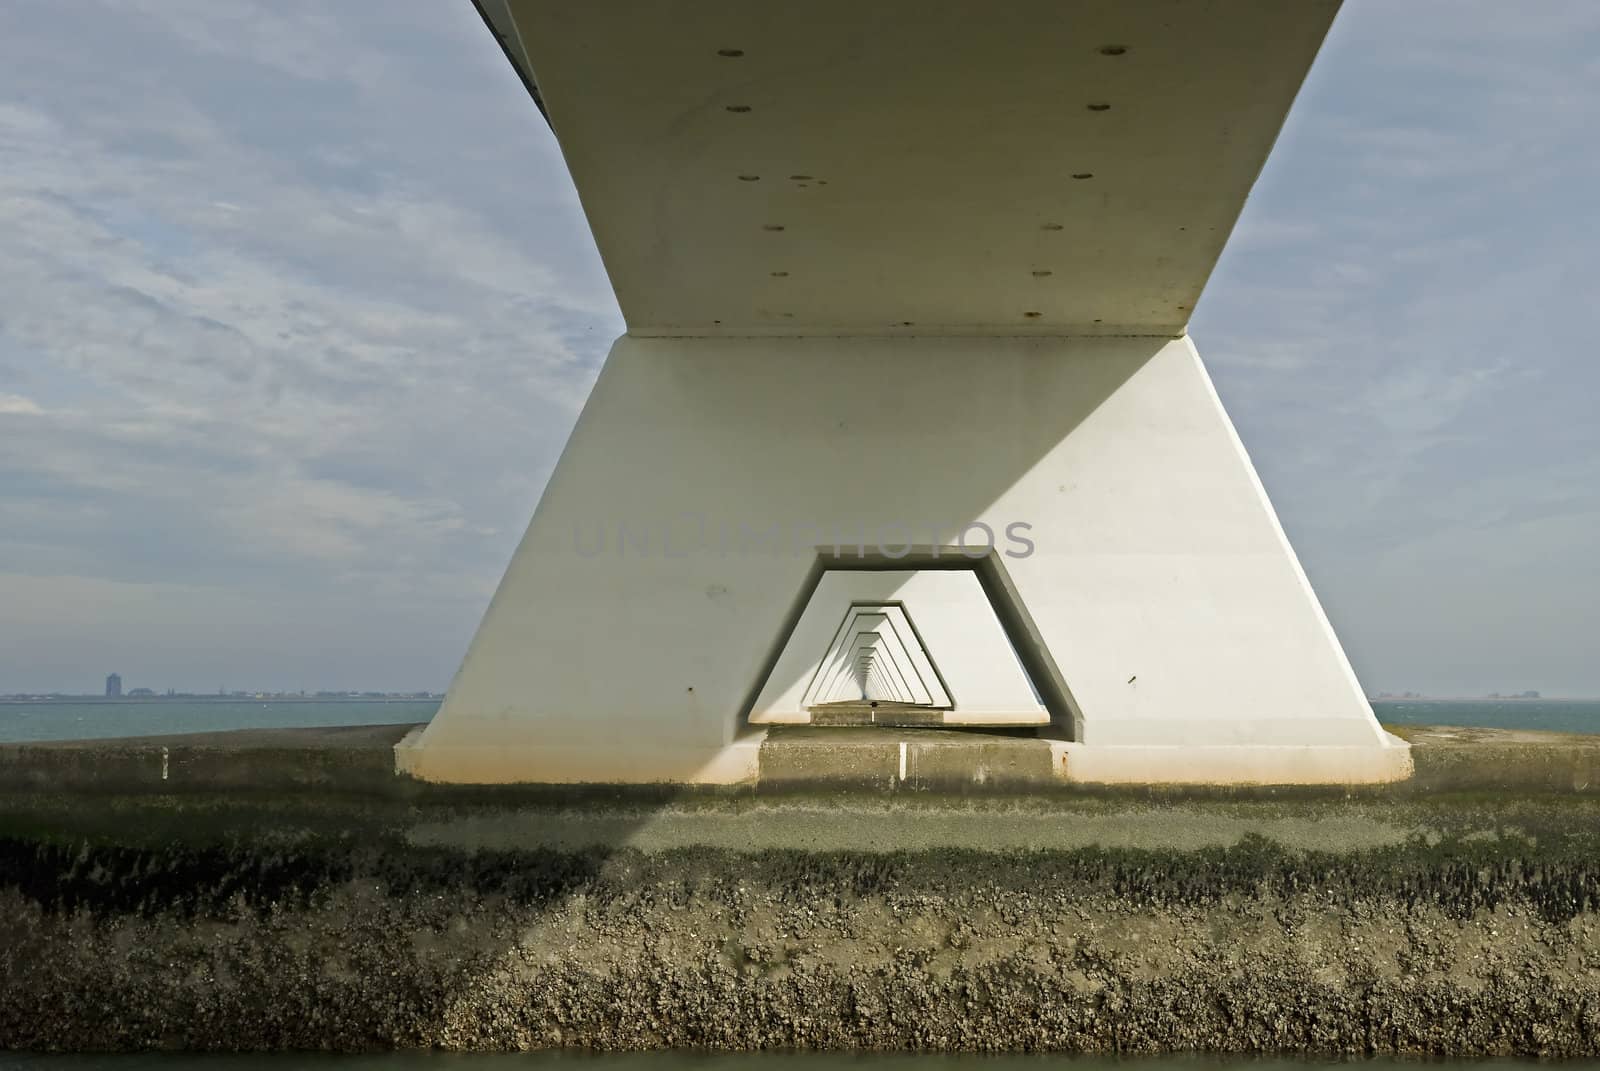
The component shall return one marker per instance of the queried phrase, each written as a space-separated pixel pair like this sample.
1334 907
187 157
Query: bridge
906 427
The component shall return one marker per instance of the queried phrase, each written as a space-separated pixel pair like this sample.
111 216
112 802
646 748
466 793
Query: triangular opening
876 658
899 647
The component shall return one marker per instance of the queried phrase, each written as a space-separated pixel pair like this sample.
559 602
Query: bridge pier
1150 591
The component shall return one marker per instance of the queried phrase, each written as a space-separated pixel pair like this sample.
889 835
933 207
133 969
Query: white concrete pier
906 287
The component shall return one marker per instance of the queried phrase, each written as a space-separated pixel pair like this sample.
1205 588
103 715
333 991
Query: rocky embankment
1474 930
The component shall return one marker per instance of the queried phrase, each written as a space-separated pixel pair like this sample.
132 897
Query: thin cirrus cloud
287 334
297 307
1397 328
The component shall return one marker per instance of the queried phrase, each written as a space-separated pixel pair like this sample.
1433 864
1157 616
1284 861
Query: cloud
297 306
280 309
1396 329
17 405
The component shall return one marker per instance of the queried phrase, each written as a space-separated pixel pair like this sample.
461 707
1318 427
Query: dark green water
59 720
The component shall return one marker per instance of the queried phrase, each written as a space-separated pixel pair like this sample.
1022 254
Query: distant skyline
297 307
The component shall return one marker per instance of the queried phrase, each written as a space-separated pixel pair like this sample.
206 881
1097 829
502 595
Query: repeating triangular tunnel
876 656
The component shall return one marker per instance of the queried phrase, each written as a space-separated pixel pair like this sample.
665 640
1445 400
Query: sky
297 307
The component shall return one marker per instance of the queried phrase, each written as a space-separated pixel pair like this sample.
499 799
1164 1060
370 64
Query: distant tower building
114 686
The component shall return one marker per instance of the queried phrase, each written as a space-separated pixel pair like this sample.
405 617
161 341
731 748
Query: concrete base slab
895 760
1225 764
522 761
908 759
867 760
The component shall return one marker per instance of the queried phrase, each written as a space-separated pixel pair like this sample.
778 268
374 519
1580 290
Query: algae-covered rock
1311 927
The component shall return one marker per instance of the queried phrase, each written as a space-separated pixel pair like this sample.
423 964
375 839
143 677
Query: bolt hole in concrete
1081 175
1098 107
1113 50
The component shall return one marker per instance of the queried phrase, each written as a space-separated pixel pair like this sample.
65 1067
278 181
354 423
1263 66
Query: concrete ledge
877 759
509 763
789 759
1231 764
1449 758
906 759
